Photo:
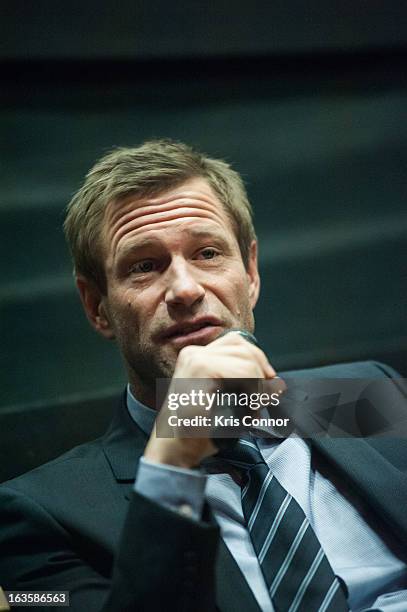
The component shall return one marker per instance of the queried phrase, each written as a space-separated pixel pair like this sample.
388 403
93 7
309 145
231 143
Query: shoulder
54 477
84 473
355 369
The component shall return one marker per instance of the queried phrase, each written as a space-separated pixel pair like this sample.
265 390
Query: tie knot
245 454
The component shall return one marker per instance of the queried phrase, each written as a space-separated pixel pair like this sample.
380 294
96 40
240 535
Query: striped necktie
296 570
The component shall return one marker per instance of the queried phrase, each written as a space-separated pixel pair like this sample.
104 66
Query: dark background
307 100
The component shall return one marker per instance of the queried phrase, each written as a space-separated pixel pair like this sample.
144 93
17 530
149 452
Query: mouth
201 331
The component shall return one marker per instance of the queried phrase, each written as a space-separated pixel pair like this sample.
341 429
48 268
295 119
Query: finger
239 347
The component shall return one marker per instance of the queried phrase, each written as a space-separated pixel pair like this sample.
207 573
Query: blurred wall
309 104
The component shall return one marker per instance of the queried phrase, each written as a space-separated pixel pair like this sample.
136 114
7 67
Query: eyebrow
145 243
204 233
136 244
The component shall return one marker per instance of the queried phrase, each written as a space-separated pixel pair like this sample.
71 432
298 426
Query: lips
196 329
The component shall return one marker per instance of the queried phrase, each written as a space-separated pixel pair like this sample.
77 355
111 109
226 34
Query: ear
253 275
94 304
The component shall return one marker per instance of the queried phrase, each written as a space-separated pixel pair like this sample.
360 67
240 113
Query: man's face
175 277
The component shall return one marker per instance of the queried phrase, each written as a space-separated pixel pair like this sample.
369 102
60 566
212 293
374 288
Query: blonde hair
149 169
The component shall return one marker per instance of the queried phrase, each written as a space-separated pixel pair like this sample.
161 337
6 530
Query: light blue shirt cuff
176 488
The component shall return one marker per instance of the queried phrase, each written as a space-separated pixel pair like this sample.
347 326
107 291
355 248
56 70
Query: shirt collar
142 415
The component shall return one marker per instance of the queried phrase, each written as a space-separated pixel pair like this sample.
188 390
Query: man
166 262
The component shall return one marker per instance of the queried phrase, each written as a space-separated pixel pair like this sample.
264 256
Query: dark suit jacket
75 523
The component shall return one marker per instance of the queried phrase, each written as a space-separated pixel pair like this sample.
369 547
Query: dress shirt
368 560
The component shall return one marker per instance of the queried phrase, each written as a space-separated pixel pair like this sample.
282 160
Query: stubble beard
144 367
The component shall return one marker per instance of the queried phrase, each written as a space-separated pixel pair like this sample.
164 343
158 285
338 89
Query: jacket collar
123 443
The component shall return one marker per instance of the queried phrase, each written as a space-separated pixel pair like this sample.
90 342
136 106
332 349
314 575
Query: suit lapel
123 445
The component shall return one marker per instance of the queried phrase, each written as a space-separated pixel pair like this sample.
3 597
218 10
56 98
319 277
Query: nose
183 288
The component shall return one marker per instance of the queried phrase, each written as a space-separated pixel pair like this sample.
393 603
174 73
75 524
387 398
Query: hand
230 356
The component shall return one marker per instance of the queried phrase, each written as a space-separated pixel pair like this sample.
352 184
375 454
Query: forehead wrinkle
127 204
135 242
136 213
135 220
127 215
147 207
135 231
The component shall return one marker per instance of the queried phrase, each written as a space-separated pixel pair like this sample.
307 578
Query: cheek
140 308
233 291
130 300
124 311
